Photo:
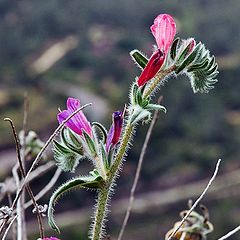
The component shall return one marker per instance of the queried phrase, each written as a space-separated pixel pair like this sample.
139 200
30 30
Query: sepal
90 143
139 58
65 158
102 130
93 181
139 114
174 47
156 107
104 156
71 141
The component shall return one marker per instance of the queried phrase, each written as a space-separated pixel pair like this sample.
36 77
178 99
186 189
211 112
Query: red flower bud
152 67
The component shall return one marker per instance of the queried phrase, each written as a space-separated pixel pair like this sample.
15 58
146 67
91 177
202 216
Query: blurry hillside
55 49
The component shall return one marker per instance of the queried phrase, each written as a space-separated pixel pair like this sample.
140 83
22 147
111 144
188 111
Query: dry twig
230 233
197 201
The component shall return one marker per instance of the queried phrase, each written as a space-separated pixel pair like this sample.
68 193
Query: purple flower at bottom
78 122
115 130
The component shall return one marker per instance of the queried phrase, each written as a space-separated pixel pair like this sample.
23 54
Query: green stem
100 213
104 192
121 151
157 79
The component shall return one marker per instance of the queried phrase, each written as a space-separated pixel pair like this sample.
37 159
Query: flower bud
115 130
152 67
164 30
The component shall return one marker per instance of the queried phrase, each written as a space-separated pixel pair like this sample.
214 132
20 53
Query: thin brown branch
139 167
23 173
197 201
38 157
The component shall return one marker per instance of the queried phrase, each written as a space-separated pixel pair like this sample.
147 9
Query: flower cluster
164 30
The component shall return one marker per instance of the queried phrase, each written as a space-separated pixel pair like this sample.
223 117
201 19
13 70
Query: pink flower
152 67
164 30
78 122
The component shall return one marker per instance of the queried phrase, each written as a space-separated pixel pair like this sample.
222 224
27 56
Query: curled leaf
91 181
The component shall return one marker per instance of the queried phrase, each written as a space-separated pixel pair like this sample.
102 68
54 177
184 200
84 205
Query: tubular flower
115 130
152 67
164 30
78 122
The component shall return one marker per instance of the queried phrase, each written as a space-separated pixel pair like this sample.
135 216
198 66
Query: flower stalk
104 192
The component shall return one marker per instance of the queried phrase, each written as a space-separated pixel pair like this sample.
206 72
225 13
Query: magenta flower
115 130
164 30
78 122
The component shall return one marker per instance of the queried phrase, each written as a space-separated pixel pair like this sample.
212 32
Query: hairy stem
100 213
98 224
121 151
157 79
103 195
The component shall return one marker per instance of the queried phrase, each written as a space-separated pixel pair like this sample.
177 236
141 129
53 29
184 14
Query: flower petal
164 30
78 121
70 123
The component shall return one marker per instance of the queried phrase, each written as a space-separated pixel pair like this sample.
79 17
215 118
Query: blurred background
54 49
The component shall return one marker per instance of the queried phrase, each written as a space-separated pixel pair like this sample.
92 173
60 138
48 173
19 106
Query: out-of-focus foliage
96 37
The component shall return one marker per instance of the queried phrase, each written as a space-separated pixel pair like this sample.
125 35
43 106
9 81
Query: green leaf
194 67
201 81
102 130
65 159
104 156
174 47
91 182
139 58
156 107
139 97
183 54
90 143
134 94
189 59
71 141
202 71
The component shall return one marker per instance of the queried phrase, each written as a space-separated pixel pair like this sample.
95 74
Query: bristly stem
139 167
100 214
157 79
104 192
103 195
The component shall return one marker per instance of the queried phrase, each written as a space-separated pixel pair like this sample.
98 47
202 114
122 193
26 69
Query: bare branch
197 201
8 228
23 173
36 160
46 188
230 233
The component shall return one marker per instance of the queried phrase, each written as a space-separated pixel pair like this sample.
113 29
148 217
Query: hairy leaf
92 182
139 58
